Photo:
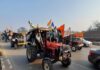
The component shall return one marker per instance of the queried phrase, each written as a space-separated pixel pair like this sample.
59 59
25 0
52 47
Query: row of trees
22 30
95 26
93 33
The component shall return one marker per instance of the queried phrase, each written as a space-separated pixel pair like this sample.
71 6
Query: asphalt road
15 59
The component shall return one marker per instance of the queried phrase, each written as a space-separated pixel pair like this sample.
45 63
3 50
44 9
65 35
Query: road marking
2 64
9 63
3 67
81 66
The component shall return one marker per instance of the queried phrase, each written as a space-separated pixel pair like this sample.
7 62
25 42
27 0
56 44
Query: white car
87 43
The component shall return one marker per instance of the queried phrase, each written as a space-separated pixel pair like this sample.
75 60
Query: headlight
10 37
13 39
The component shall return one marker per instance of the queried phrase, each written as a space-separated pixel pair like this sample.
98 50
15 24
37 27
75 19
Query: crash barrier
96 43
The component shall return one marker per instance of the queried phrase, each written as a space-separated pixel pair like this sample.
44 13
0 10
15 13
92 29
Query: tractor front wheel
47 64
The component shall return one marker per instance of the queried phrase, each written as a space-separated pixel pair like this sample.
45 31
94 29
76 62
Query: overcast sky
77 14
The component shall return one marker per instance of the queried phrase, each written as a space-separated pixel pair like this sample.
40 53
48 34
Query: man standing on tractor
59 36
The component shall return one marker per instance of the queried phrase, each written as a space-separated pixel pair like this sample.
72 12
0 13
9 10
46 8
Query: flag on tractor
51 24
61 29
50 21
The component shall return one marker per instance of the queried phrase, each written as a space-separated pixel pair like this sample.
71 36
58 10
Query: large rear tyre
12 45
47 64
15 46
31 53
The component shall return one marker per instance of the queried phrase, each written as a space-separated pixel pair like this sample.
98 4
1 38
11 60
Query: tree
22 30
95 26
90 28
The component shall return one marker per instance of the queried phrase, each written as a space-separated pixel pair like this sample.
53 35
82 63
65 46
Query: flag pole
70 34
30 24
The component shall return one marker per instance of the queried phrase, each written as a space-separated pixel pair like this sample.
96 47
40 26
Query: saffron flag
49 22
61 29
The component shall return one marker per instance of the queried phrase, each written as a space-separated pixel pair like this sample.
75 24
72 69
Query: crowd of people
5 36
55 35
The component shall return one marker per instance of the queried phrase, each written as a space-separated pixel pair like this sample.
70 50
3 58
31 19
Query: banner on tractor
79 34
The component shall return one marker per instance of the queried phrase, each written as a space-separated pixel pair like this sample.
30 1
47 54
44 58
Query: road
15 59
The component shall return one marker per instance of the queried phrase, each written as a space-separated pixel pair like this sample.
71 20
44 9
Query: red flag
50 21
61 28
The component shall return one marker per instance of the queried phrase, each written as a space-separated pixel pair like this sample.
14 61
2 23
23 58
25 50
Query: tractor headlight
65 54
13 39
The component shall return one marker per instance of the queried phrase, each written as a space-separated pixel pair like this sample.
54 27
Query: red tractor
40 47
75 42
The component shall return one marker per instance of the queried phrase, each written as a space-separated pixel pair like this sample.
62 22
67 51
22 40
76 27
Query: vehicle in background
17 40
76 44
86 43
94 57
66 40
